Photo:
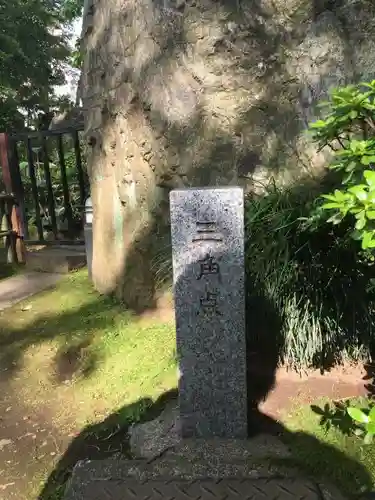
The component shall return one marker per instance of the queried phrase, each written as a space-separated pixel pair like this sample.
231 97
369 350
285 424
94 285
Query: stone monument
208 266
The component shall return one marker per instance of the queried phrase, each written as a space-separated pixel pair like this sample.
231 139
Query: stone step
192 458
217 457
230 450
56 259
95 480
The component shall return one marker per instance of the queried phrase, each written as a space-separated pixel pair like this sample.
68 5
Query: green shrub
364 422
348 129
309 277
313 276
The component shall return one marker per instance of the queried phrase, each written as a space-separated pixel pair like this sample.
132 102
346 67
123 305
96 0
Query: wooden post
13 188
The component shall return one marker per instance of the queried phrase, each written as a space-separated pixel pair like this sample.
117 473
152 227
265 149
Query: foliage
337 457
350 417
309 280
348 129
33 49
365 422
76 56
71 9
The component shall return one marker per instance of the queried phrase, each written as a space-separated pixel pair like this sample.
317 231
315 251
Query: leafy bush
313 275
364 422
309 277
348 129
355 417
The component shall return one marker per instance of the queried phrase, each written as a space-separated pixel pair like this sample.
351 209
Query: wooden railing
11 229
7 233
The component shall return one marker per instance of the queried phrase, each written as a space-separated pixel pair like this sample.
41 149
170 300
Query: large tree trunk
200 92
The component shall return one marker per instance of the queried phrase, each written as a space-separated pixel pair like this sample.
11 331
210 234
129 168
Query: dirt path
23 285
292 388
30 444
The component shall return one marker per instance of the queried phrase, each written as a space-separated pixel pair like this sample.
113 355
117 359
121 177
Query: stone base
202 489
192 469
152 438
197 470
60 260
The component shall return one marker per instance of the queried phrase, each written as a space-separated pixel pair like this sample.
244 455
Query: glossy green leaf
371 415
359 191
367 237
370 214
369 175
329 197
358 415
360 215
328 206
340 195
371 196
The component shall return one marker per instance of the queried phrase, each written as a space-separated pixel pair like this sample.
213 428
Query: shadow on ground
74 329
110 439
107 439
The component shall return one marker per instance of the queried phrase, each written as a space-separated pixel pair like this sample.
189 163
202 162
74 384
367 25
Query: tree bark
183 93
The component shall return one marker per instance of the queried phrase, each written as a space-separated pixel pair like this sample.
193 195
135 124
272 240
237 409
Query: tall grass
311 279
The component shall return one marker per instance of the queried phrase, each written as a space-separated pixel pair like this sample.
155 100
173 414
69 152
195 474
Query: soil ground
339 383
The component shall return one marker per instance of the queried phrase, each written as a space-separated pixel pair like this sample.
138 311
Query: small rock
152 438
4 443
27 307
3 487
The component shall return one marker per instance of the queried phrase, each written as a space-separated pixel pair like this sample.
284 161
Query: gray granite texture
162 437
150 439
204 489
203 463
207 228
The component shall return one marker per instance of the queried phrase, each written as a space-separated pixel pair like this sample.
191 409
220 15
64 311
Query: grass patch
88 364
309 278
331 454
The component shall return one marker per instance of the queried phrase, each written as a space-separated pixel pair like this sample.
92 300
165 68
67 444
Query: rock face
202 92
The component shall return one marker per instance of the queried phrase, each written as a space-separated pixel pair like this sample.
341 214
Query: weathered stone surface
209 286
162 437
204 489
150 439
192 460
200 93
197 461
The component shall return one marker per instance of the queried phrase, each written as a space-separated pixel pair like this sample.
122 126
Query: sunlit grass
329 454
80 357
